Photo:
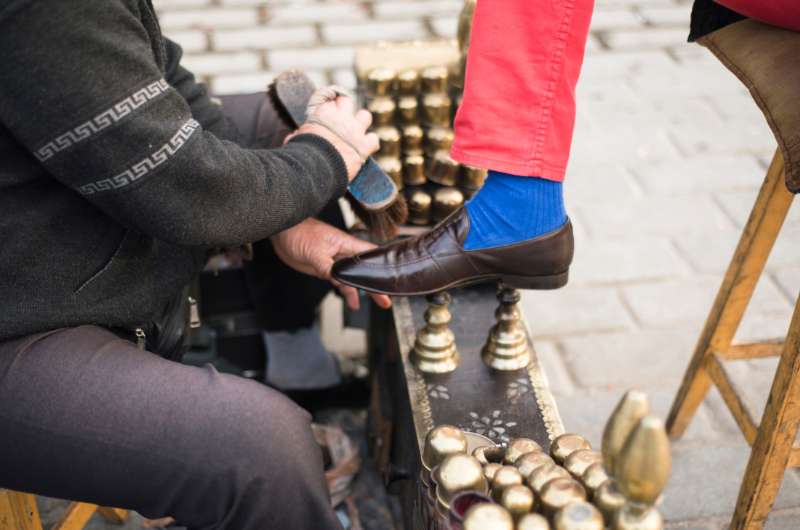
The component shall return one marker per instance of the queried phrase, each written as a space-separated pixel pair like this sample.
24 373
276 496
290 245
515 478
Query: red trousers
524 59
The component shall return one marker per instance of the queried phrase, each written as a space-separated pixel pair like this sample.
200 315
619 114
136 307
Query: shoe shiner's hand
331 114
312 247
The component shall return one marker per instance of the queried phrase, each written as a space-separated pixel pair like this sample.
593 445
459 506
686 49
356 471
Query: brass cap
593 477
458 473
412 138
444 170
518 500
518 447
489 454
579 515
436 110
408 110
441 442
529 462
533 521
631 517
445 201
566 444
472 178
419 207
490 470
504 477
633 406
434 80
382 109
380 81
393 167
560 492
408 82
608 500
579 460
543 474
414 171
488 517
438 139
645 462
389 141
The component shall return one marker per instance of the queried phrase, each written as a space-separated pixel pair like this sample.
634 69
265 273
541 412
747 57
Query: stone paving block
621 142
611 261
662 304
708 252
655 358
264 38
558 377
584 177
738 205
191 41
210 18
445 27
620 65
667 16
394 10
241 84
780 521
574 310
759 327
641 40
222 63
612 19
656 215
373 31
705 483
168 5
701 173
726 137
325 12
313 58
687 80
788 280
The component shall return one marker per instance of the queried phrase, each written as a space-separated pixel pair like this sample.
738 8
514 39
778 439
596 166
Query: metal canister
414 170
393 167
408 83
445 202
389 142
408 110
412 139
380 82
472 178
382 109
419 206
436 110
443 170
438 139
434 80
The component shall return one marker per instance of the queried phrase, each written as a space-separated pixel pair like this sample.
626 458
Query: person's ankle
510 209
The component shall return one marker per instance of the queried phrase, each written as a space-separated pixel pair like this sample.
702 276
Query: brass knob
504 477
392 167
435 349
507 347
443 170
408 110
412 139
489 454
518 500
436 110
380 82
458 473
645 462
382 109
543 474
566 444
408 82
434 80
445 202
608 499
389 142
414 171
578 516
533 521
518 447
593 477
633 406
560 492
632 517
490 470
441 442
438 139
577 462
529 462
419 207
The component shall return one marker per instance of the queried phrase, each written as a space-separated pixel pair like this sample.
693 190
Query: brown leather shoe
437 260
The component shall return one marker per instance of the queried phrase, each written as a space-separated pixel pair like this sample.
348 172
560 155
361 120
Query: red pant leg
782 13
518 110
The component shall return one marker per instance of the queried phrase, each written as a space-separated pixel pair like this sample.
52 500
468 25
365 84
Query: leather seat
767 60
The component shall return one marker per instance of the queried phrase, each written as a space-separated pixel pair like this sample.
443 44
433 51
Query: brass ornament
488 517
392 167
507 347
382 109
435 347
414 171
631 517
389 142
436 110
608 499
490 470
577 462
578 516
408 83
645 462
492 454
560 492
633 406
533 521
472 178
419 207
439 139
441 442
380 82
529 462
543 474
455 474
566 444
434 80
593 477
518 500
518 447
412 139
408 110
504 477
445 201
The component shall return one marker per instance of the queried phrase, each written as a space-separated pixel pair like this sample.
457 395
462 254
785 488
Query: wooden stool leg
775 438
76 516
113 515
737 288
18 511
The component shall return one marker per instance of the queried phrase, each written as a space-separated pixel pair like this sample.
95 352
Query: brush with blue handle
372 194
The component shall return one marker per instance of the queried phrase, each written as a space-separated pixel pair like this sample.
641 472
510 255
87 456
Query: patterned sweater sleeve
80 88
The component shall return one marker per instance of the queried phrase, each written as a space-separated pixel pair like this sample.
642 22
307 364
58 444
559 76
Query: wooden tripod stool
18 511
767 60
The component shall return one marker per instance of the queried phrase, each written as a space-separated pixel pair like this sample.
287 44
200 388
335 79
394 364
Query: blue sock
509 209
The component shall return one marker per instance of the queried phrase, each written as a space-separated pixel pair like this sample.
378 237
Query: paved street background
668 155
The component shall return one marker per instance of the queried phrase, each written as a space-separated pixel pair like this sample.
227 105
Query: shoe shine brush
372 194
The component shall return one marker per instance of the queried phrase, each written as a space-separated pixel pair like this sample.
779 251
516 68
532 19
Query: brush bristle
381 224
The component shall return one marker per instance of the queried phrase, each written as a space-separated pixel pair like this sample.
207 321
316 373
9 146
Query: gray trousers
85 415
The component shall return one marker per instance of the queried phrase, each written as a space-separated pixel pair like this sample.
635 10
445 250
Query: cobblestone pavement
669 152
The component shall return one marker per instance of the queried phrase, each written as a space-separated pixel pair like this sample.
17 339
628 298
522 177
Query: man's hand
312 247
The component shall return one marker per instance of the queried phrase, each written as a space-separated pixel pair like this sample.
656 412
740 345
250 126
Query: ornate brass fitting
507 347
518 447
488 517
577 462
633 406
503 478
533 521
566 444
559 493
518 500
578 516
593 477
435 348
530 462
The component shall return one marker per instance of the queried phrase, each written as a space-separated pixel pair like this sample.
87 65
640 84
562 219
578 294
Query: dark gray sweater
117 172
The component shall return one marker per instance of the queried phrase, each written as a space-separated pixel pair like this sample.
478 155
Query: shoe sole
537 283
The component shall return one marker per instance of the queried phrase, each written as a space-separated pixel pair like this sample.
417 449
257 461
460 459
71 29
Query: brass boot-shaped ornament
435 348
507 346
